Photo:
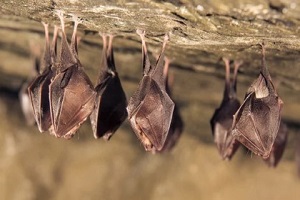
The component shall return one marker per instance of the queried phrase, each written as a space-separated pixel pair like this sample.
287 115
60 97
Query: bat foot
140 32
60 15
77 20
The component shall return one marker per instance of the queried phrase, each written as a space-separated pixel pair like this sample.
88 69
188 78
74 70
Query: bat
256 122
150 109
24 97
278 146
71 92
38 89
222 119
110 104
177 124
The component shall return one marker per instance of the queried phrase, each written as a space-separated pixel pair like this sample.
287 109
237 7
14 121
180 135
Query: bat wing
71 104
175 131
138 96
38 92
153 117
279 146
256 123
110 108
221 124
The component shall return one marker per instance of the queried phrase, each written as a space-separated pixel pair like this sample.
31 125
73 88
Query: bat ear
67 58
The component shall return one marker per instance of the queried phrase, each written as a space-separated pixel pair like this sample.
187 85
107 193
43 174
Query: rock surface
38 166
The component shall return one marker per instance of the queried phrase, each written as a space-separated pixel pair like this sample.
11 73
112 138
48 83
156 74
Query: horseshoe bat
110 104
72 94
278 146
38 89
177 125
150 109
222 119
256 122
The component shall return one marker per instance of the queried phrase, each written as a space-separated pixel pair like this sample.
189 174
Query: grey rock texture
38 166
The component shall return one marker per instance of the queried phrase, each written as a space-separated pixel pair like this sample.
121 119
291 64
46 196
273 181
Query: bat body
150 109
222 119
177 124
71 92
38 89
279 146
110 104
256 122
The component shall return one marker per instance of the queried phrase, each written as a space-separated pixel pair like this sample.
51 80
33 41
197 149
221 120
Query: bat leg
47 54
145 57
110 55
142 33
54 44
237 64
74 43
227 73
67 58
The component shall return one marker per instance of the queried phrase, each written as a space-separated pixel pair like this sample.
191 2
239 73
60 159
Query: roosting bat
177 125
110 105
150 109
222 119
256 122
278 146
72 94
38 90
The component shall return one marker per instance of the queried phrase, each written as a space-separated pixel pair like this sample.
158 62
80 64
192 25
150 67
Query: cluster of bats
256 123
61 97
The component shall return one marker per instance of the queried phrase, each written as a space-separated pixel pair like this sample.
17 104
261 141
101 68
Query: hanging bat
221 121
177 125
25 102
110 105
38 90
256 122
278 146
150 109
71 94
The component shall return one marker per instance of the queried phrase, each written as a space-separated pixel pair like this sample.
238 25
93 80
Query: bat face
150 109
110 104
222 119
177 125
256 123
279 146
71 92
38 89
